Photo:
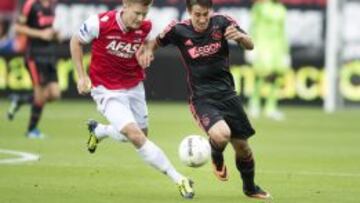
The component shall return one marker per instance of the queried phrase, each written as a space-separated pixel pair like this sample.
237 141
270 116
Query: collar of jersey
120 21
203 32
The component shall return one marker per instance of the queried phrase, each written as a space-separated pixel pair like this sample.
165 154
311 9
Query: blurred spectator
6 43
9 43
7 8
36 23
271 57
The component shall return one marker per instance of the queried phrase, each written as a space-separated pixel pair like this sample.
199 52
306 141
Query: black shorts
42 70
209 111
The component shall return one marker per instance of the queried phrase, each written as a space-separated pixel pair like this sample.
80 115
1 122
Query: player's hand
144 57
231 33
58 37
47 34
84 85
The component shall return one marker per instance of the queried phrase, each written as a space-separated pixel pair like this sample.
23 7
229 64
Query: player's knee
39 100
134 134
54 96
220 135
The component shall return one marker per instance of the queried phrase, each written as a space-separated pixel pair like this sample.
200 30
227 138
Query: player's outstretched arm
76 49
232 33
47 34
145 54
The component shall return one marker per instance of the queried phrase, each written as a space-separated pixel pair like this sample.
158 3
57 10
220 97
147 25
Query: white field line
21 157
312 173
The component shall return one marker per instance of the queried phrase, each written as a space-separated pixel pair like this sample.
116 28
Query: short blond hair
143 2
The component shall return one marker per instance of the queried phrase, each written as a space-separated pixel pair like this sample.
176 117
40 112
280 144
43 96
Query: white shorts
121 107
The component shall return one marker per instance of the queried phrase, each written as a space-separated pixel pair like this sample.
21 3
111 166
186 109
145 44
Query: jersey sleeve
25 12
147 29
228 21
90 29
168 36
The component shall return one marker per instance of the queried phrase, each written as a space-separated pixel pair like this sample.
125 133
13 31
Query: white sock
104 131
154 156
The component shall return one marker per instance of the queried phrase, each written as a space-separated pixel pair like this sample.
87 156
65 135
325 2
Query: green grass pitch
311 157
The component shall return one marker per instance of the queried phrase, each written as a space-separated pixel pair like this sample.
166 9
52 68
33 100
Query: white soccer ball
194 150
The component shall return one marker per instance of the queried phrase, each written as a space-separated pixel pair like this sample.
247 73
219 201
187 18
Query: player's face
200 17
134 14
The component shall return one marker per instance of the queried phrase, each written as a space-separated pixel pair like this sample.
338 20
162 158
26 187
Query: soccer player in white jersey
116 83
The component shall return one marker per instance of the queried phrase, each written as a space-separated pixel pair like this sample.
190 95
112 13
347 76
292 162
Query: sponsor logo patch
206 50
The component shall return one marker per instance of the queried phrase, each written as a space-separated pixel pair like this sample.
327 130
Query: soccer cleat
14 107
35 134
258 193
221 174
93 140
186 188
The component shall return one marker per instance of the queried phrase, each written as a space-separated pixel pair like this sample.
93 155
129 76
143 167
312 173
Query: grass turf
310 157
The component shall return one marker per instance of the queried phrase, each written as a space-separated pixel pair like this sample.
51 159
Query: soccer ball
194 150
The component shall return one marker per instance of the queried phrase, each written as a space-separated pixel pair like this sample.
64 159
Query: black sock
217 154
246 167
36 111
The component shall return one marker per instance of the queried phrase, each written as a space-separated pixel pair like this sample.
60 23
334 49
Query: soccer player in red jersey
116 83
203 43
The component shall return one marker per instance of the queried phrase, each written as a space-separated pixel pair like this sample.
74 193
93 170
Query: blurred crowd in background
303 39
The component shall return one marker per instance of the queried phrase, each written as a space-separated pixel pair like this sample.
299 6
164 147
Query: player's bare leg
52 92
42 95
246 166
219 135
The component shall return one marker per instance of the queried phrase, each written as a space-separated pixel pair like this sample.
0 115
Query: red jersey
113 61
